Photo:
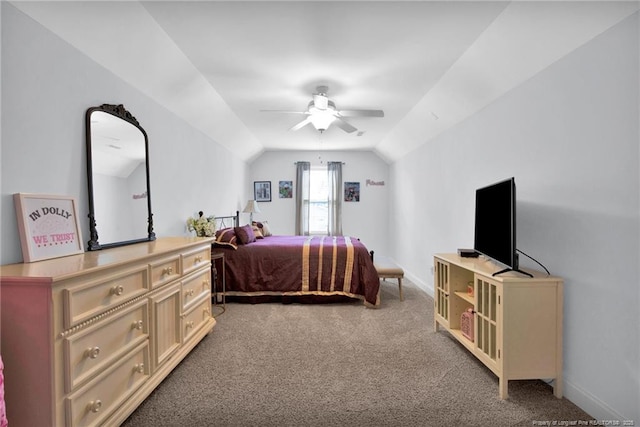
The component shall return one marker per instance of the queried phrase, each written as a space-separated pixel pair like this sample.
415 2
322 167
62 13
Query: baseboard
428 289
593 406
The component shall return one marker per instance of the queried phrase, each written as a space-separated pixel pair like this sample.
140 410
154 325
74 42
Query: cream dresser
86 338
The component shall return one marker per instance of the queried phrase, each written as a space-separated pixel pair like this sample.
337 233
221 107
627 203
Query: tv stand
515 326
514 270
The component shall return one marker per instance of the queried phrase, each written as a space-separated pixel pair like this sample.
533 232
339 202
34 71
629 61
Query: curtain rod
295 163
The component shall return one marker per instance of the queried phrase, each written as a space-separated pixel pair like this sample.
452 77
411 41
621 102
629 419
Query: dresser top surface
81 263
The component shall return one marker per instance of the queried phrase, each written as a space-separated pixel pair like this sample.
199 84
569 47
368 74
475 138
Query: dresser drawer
102 293
92 404
88 352
194 319
165 270
196 259
194 287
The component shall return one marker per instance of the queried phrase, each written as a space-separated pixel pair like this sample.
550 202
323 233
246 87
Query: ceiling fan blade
301 124
320 101
284 111
361 113
344 125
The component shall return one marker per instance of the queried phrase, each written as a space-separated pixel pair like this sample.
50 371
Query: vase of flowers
203 226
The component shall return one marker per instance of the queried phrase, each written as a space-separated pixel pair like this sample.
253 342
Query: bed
318 268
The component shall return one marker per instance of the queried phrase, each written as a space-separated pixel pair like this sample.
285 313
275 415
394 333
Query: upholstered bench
387 269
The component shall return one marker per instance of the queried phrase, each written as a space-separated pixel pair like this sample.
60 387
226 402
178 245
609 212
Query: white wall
366 219
47 86
570 137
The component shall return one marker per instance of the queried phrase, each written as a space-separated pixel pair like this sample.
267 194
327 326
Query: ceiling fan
322 112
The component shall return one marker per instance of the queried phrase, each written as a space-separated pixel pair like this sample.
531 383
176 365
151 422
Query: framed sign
262 191
48 226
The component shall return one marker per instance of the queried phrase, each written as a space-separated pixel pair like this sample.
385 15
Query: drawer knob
206 284
137 325
198 259
92 352
117 290
167 271
190 324
139 368
94 406
189 293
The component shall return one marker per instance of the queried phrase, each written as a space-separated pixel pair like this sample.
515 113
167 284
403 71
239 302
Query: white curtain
335 198
302 198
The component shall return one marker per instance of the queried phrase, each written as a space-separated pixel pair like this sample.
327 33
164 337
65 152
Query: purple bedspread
302 265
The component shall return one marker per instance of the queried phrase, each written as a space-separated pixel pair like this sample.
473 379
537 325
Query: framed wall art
351 191
285 189
48 226
262 191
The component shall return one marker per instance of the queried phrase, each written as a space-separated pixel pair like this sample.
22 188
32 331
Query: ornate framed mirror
118 178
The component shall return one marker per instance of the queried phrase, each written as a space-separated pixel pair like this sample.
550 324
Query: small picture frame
285 189
351 191
48 226
262 191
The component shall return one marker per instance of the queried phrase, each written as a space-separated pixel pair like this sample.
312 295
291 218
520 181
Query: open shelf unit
517 320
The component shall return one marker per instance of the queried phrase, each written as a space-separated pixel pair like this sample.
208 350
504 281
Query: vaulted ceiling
427 64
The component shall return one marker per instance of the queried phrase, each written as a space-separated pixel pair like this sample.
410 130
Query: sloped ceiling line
428 64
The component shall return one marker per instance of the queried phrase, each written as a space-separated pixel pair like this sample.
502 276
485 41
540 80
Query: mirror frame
122 113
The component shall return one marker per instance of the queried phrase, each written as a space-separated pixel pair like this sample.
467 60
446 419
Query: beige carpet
341 365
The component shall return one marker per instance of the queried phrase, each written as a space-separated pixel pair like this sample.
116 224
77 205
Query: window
318 201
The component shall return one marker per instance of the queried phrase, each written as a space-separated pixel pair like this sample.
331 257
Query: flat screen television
495 224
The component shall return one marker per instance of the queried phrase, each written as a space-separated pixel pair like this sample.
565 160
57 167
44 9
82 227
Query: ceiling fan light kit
322 112
321 120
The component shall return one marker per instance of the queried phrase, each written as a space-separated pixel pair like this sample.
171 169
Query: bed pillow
264 227
245 234
226 237
257 232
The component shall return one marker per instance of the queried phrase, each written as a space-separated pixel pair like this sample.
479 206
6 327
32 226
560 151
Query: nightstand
218 278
